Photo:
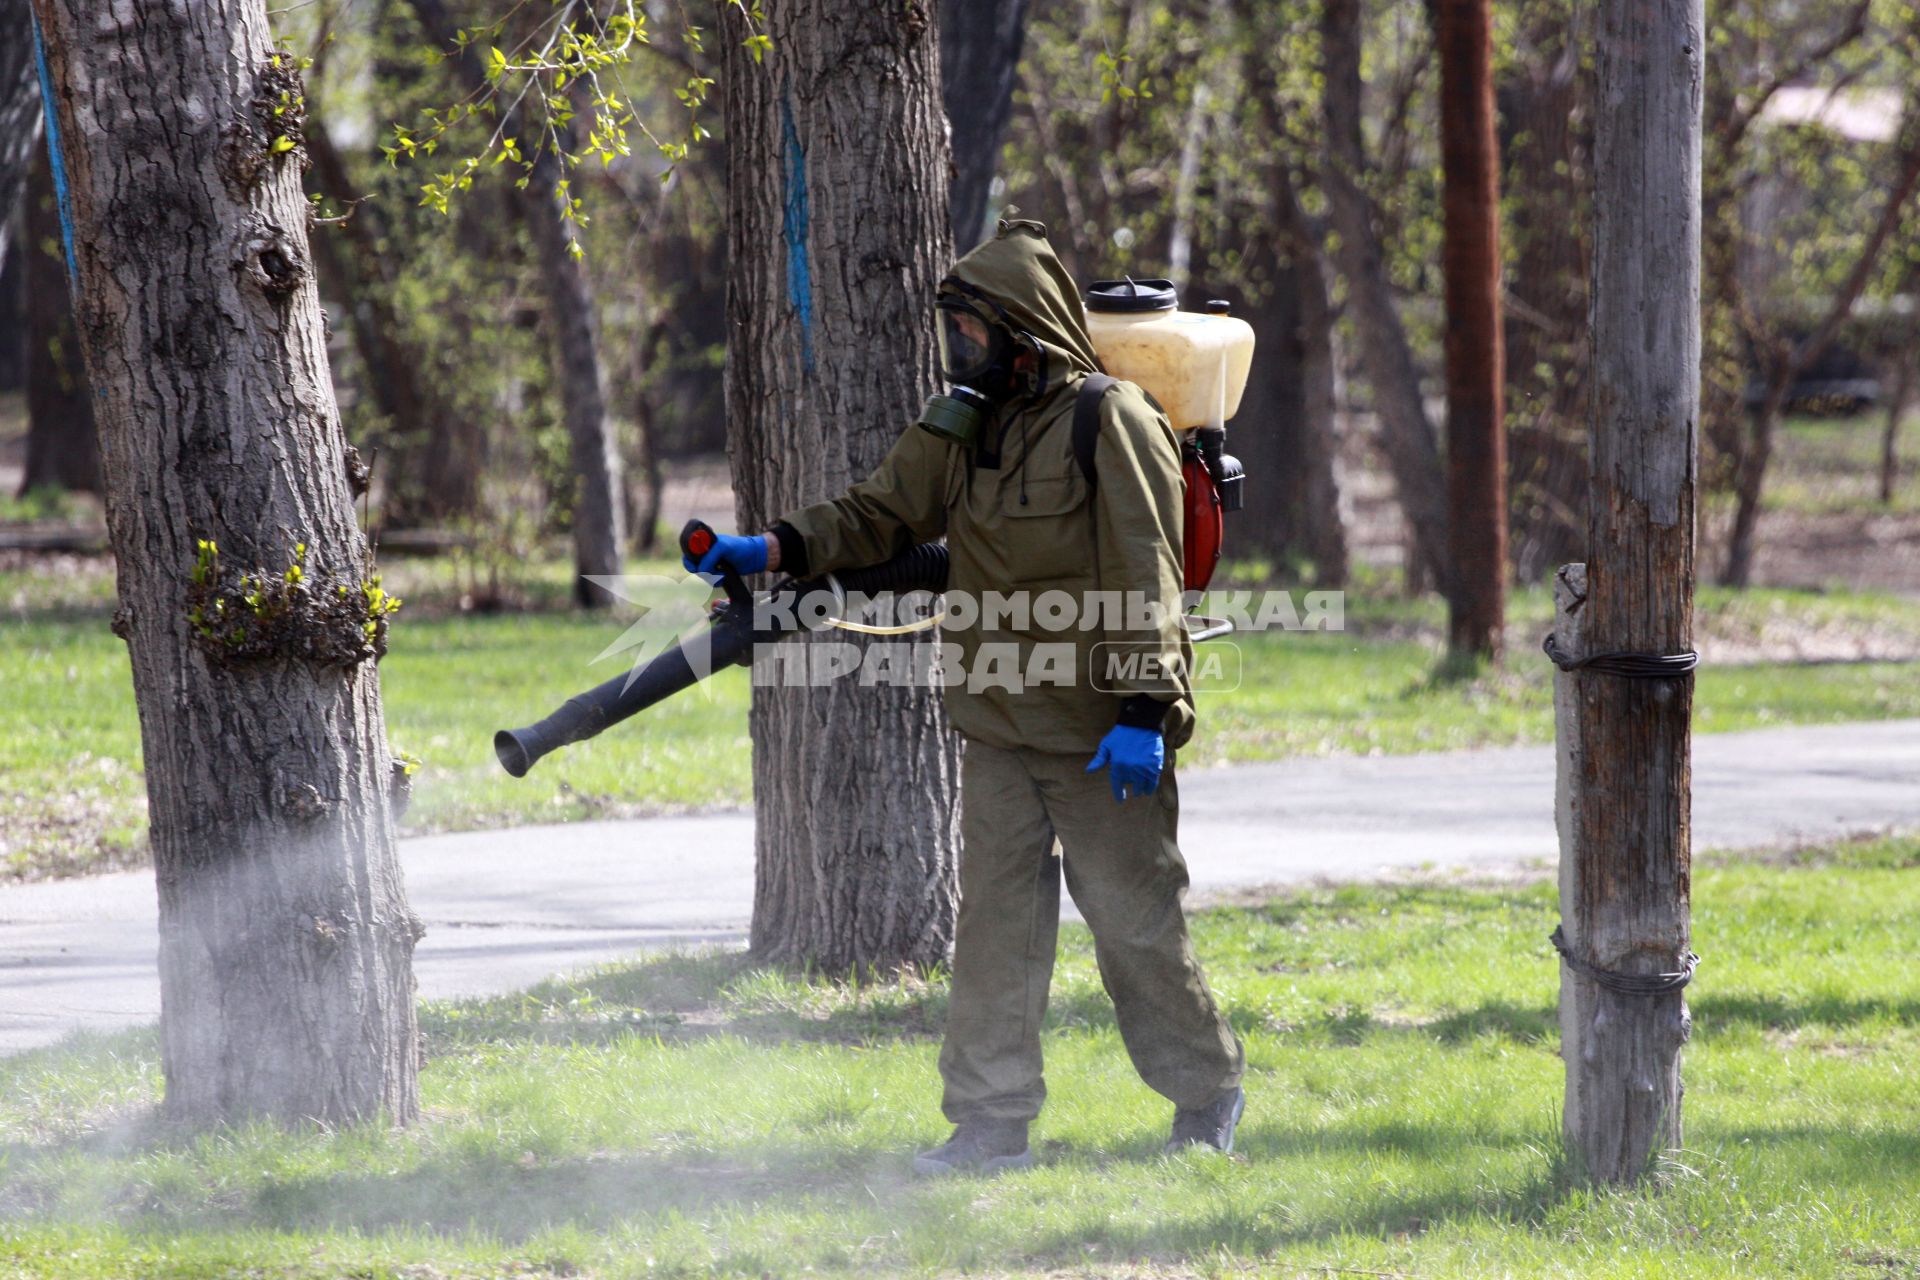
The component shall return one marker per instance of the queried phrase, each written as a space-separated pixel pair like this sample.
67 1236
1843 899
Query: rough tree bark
1406 435
285 938
19 111
980 43
1476 361
599 507
1624 777
837 226
62 450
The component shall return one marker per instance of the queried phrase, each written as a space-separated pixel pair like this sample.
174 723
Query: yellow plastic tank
1194 363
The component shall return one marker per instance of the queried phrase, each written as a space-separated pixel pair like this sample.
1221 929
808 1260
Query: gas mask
979 350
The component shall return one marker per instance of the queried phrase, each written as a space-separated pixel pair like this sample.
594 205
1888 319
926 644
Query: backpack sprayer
1194 365
736 625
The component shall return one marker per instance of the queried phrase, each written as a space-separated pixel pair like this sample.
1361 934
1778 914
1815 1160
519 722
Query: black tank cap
1219 307
1132 295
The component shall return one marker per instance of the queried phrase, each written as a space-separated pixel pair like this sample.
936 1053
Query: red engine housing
1204 525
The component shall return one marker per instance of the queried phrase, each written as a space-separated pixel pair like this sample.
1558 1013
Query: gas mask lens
969 343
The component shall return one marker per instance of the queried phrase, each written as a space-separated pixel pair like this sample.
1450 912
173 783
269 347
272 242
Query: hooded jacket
1019 516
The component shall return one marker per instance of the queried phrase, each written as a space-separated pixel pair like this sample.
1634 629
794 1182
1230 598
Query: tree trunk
838 233
980 42
599 509
1624 768
1750 476
643 503
62 449
1476 363
285 938
19 112
1407 437
1890 433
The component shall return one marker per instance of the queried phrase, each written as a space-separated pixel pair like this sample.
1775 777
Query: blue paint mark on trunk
55 161
794 230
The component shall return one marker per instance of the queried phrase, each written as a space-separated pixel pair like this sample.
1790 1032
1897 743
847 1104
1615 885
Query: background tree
980 45
247 596
1476 359
838 227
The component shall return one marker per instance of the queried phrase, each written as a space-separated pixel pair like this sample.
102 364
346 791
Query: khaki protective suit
1019 516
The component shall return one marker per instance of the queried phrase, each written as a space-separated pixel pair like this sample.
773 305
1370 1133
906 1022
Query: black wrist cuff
793 550
1142 711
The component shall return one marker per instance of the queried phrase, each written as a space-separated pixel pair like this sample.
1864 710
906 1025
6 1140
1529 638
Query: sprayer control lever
696 539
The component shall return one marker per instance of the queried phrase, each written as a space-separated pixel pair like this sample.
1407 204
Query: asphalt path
505 909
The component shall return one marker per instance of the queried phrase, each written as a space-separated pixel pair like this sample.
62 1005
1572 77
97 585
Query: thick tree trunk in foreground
980 43
62 450
1406 435
1476 362
285 939
837 230
1624 767
19 112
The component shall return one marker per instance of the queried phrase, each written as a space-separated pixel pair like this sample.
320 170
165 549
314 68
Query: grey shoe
1209 1126
978 1146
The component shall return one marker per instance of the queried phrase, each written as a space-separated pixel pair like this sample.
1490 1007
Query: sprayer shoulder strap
1086 421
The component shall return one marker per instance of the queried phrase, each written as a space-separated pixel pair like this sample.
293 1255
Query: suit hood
1018 269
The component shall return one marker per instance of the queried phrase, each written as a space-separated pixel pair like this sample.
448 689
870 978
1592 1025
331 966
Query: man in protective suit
994 471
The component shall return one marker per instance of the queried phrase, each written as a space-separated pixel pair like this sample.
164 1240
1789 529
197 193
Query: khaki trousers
1123 867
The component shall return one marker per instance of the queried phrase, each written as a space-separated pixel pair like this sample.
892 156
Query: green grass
694 1115
69 738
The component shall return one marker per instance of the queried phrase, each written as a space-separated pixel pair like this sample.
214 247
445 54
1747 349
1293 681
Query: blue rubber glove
1133 758
738 552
